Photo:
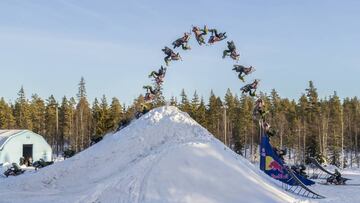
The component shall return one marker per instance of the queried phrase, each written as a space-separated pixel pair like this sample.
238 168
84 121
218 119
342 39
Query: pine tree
100 117
65 123
74 130
185 104
104 115
7 120
96 118
83 118
335 129
277 115
51 123
22 111
201 113
230 116
215 116
173 101
194 105
247 130
115 114
313 141
37 109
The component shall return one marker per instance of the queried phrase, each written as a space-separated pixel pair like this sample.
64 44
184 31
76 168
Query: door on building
28 154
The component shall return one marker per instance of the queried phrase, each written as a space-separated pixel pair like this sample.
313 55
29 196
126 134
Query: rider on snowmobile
300 169
259 109
242 69
231 51
270 132
216 36
251 88
337 176
150 93
199 33
280 152
158 76
183 42
170 55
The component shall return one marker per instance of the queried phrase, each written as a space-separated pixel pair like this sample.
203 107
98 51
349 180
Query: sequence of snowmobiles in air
271 159
153 91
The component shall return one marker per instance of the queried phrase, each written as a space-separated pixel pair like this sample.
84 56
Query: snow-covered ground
164 156
341 193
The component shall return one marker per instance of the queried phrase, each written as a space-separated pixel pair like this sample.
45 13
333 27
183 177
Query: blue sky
47 46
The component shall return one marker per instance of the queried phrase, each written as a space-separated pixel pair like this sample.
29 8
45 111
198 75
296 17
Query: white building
15 144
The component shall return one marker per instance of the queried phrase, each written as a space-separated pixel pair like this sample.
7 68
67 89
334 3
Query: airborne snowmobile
183 42
199 33
259 111
243 70
231 51
170 55
158 76
251 88
216 37
150 93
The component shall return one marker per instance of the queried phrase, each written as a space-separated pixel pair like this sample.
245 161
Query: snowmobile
231 51
182 42
259 111
150 93
199 33
235 56
159 80
242 69
69 153
336 179
158 76
322 173
300 170
250 88
95 140
41 164
123 123
269 130
170 55
14 170
216 37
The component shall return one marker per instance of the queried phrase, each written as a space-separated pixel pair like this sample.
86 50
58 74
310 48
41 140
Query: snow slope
164 156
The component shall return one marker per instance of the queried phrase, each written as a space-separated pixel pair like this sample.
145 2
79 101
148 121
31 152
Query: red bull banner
273 165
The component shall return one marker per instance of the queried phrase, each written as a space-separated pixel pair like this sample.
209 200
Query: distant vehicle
95 140
14 170
69 153
41 164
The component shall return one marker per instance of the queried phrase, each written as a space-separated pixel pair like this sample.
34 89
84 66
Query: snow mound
164 156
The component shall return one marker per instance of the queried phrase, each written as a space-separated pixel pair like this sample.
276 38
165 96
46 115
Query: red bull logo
271 164
275 169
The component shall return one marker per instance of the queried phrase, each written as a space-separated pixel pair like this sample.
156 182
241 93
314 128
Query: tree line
324 128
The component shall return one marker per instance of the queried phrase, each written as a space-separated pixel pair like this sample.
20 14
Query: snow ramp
164 156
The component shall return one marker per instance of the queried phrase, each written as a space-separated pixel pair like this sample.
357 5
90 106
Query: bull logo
273 165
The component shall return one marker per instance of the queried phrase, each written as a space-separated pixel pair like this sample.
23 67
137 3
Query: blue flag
273 165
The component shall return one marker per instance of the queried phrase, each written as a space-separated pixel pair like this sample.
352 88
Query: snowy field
342 193
164 156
